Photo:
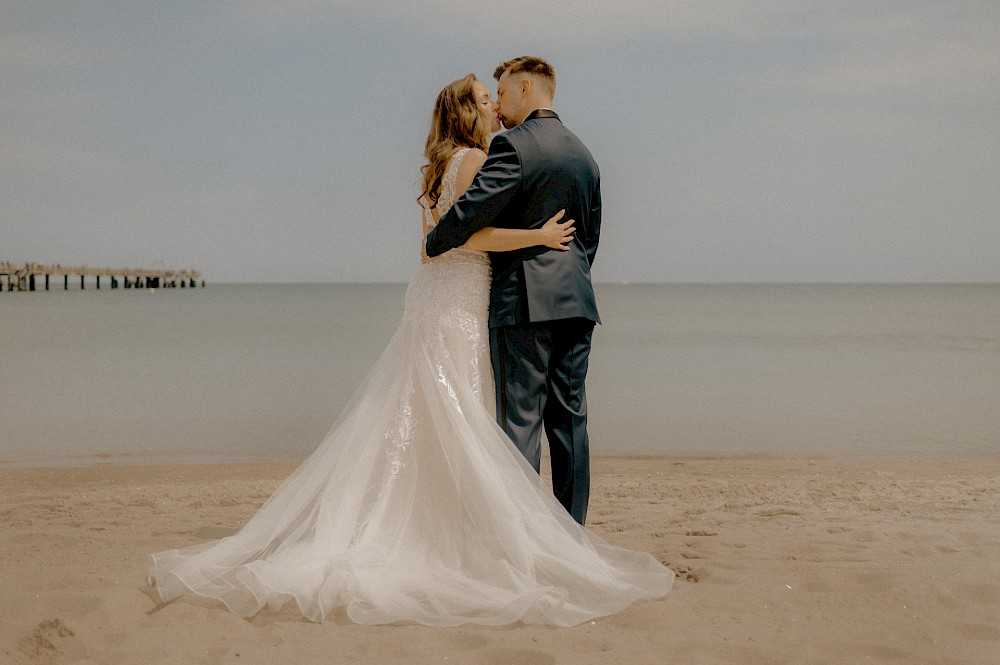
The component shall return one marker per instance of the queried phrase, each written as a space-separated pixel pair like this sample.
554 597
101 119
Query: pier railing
25 277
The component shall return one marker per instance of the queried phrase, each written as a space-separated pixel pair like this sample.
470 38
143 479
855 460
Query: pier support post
27 278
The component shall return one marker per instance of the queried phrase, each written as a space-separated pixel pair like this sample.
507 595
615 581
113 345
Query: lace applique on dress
398 436
457 295
449 182
400 432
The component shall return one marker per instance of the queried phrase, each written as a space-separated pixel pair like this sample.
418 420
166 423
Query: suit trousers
539 370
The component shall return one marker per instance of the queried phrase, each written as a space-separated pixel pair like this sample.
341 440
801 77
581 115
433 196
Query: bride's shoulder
475 155
465 155
471 162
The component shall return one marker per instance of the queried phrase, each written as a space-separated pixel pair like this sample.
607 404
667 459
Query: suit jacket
532 171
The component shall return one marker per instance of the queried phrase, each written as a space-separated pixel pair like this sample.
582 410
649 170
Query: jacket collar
542 113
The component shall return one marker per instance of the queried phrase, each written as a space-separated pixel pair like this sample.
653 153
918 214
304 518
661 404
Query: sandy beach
779 560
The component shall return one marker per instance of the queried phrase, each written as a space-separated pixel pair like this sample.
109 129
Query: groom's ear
526 85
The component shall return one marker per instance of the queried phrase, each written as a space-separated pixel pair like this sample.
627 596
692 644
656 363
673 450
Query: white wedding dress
416 506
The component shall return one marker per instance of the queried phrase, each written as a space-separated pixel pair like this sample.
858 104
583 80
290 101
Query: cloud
923 47
957 67
552 21
846 47
22 155
563 20
50 102
236 196
22 51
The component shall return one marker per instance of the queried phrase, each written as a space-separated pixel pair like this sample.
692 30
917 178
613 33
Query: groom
542 306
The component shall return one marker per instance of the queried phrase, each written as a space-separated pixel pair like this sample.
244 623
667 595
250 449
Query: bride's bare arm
555 233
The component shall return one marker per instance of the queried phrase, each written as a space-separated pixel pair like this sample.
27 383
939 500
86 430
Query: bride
416 506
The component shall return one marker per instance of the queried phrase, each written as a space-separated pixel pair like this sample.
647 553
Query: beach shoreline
779 560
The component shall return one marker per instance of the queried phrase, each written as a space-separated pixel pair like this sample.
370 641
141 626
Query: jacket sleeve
595 223
491 191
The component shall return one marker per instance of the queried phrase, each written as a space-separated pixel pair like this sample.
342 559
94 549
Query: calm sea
250 372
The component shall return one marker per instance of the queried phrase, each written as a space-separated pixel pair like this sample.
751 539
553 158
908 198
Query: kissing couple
424 503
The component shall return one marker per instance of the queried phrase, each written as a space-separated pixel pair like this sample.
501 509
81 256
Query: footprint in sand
47 640
684 572
778 512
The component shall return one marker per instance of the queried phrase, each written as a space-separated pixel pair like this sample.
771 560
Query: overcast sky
770 140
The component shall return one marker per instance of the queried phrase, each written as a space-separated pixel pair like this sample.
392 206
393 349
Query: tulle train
416 506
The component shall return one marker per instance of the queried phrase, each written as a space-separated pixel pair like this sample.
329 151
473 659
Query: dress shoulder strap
454 163
449 181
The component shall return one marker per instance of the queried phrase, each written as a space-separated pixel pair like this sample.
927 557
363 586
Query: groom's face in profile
509 101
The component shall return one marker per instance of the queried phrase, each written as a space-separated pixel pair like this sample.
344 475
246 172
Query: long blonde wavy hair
456 123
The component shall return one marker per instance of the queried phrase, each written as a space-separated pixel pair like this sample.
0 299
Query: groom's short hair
529 64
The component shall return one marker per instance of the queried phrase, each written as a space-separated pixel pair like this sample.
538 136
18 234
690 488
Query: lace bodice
449 182
446 199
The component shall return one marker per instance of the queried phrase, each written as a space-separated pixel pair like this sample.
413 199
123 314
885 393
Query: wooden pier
28 277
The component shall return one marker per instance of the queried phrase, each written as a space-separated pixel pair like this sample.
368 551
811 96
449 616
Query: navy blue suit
542 304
